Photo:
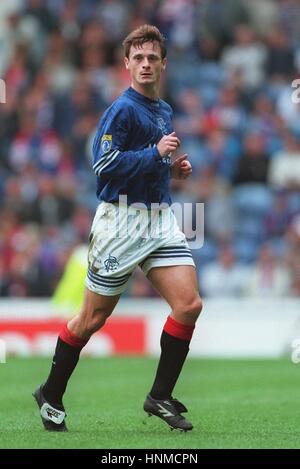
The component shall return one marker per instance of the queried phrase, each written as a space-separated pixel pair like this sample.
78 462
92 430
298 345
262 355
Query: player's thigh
94 303
178 285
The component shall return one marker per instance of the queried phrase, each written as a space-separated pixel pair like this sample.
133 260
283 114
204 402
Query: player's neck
151 92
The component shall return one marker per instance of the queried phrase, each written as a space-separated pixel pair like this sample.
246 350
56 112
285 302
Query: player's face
145 64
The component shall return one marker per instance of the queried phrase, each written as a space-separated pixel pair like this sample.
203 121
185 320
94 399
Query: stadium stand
229 80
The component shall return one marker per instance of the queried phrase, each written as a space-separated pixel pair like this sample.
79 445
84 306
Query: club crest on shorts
106 143
111 263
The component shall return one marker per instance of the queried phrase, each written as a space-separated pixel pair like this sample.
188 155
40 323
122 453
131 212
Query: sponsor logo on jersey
106 143
166 160
162 125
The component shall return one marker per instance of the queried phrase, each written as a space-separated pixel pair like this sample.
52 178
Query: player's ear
164 63
126 62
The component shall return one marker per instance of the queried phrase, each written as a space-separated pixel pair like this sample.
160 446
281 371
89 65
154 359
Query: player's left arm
181 168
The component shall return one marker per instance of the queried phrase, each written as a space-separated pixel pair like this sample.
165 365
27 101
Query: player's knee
97 321
189 312
194 309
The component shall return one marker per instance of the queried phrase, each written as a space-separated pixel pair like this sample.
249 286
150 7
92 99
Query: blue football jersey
126 159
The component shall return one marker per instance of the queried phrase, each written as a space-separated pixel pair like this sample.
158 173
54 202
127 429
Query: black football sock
65 359
174 342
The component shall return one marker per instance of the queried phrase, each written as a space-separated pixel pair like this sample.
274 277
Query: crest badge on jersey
106 143
162 125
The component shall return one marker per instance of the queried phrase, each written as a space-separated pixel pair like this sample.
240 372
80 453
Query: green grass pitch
232 404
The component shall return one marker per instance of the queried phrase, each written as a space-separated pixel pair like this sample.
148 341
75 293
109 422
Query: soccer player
132 160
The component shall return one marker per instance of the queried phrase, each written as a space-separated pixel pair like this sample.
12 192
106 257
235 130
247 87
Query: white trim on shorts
168 256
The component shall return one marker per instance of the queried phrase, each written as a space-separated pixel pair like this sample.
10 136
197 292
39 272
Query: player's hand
168 144
181 168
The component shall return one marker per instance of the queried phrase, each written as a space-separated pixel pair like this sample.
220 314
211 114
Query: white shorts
123 237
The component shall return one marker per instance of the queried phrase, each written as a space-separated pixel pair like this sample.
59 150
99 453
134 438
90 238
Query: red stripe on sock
176 329
71 339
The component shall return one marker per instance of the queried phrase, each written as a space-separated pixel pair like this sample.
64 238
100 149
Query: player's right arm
111 157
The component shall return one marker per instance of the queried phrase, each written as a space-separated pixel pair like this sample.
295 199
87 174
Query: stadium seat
245 250
253 199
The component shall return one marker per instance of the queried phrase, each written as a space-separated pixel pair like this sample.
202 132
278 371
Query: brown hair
145 33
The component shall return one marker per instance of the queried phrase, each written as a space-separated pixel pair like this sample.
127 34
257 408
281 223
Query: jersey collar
141 98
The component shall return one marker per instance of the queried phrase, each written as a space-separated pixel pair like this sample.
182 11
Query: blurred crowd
231 65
